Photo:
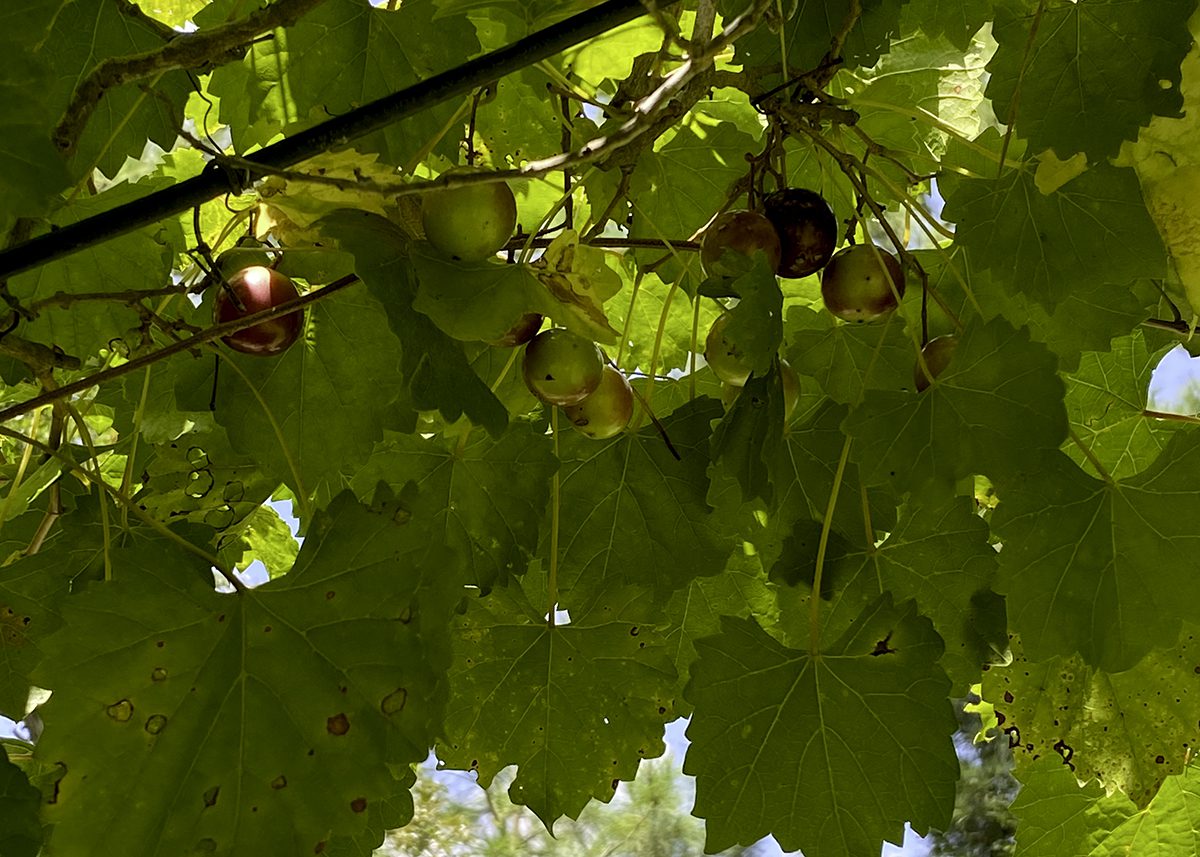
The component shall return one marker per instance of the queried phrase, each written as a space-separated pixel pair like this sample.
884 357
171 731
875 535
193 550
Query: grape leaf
1130 730
755 325
848 359
31 170
1096 567
921 76
496 492
999 400
1056 817
681 184
629 509
575 706
258 722
294 205
200 478
313 412
804 475
777 735
72 39
808 34
436 371
522 17
653 300
20 827
1051 246
141 260
581 280
1106 399
611 55
477 301
957 20
695 611
520 119
1169 826
342 55
1097 70
31 595
749 437
484 300
938 555
1083 321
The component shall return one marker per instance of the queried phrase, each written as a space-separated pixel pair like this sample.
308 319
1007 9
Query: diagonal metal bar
339 131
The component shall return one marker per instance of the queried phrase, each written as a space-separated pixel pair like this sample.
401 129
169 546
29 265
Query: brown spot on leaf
12 628
1014 737
339 724
1159 759
633 632
120 711
615 783
210 796
359 804
58 781
319 847
156 723
882 647
394 702
329 595
158 674
280 782
1008 697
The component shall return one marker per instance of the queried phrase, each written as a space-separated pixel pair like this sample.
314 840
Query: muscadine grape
807 229
259 288
561 368
744 232
607 410
791 390
862 283
470 222
723 356
938 353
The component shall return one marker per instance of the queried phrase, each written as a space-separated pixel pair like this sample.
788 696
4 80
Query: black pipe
339 131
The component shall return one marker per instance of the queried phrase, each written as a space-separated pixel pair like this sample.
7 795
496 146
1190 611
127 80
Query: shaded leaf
1092 231
1130 730
576 707
259 722
1096 567
777 734
1097 70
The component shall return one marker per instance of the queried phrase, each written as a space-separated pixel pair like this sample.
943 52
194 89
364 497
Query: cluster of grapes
797 232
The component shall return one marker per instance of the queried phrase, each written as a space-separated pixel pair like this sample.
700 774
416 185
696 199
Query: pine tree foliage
810 537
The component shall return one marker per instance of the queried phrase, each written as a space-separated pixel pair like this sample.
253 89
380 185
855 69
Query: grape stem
814 604
1013 106
555 496
1090 456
